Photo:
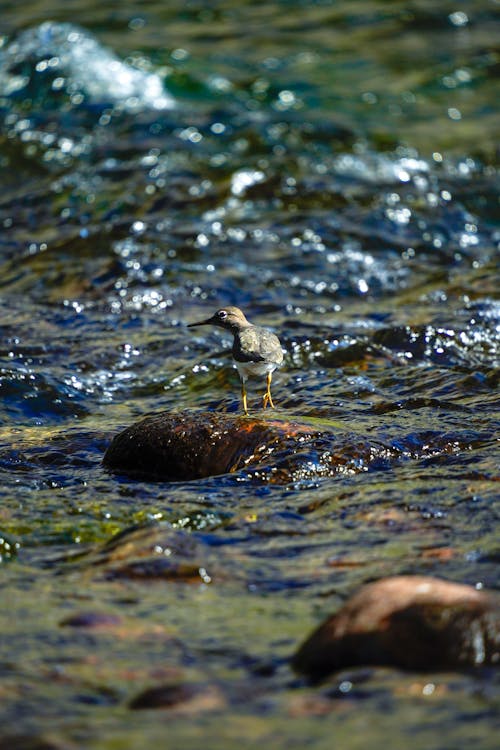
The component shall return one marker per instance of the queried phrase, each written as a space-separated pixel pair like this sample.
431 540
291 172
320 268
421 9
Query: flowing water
330 168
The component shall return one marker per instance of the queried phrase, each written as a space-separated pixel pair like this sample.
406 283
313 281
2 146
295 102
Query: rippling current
330 167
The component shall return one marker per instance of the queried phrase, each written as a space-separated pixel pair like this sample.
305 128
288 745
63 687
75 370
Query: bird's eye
222 314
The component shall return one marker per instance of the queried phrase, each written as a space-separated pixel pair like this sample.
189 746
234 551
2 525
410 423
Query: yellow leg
267 395
244 397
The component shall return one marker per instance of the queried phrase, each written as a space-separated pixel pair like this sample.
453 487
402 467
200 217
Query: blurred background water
330 167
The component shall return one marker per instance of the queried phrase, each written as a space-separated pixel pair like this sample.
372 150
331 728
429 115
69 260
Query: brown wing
255 344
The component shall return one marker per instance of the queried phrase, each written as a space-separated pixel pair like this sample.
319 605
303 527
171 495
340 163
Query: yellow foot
267 395
267 400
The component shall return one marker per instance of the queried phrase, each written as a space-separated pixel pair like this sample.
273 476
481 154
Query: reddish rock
413 622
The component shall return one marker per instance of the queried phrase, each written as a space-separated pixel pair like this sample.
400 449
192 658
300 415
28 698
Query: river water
330 167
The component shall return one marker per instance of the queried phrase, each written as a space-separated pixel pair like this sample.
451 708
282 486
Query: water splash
81 66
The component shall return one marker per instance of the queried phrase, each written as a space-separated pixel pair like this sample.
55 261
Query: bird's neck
237 328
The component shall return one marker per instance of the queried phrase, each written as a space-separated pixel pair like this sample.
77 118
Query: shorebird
256 351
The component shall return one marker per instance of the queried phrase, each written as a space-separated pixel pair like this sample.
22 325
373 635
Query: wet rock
184 698
412 622
188 446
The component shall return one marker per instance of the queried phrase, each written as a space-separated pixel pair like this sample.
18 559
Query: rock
412 622
30 742
188 446
184 698
91 620
153 552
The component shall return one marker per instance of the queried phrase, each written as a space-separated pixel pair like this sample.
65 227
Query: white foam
88 66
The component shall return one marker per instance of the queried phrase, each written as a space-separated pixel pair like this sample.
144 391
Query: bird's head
231 318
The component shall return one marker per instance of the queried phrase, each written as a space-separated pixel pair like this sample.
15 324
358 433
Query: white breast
254 369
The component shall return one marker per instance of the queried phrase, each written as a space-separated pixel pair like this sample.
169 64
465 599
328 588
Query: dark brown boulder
185 446
412 622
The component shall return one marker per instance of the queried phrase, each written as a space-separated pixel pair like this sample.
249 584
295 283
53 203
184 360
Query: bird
256 351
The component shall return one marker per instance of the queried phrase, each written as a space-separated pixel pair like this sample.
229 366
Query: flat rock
412 622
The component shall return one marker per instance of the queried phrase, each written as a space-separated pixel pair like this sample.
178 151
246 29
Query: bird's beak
206 322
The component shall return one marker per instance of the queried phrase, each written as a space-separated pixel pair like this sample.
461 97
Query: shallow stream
330 167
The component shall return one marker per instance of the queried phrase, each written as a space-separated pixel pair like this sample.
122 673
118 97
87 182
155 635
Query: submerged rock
184 698
31 742
413 622
152 553
91 620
